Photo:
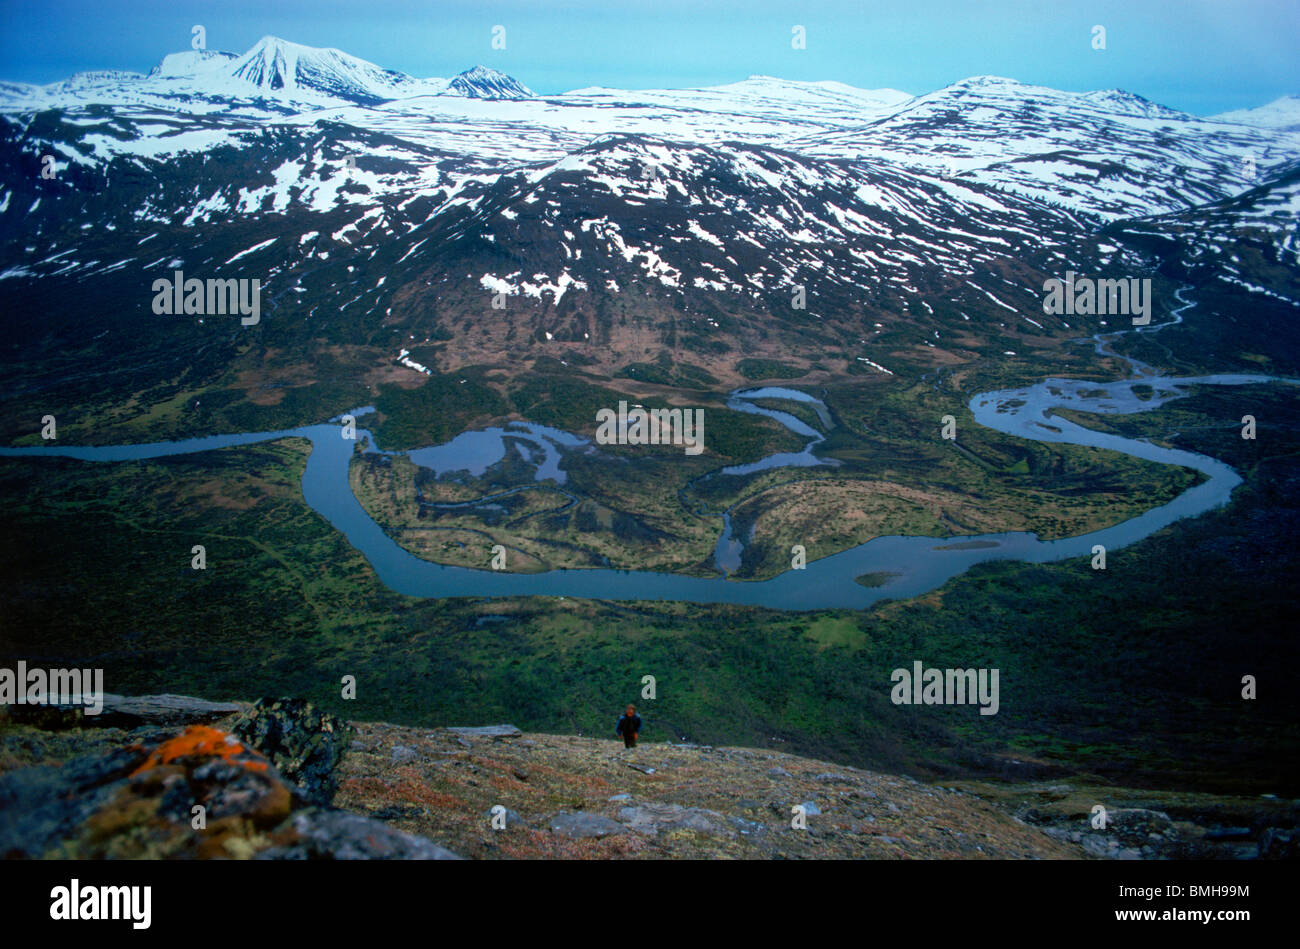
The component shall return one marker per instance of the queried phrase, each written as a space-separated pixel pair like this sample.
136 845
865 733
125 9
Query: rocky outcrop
165 709
1146 825
305 744
43 805
202 792
124 711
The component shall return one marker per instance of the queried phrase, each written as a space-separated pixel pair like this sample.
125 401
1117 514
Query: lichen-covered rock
186 796
200 793
305 744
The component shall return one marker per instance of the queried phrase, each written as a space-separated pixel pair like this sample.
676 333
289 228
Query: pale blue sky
1202 56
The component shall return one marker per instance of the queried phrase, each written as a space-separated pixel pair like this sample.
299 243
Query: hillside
281 780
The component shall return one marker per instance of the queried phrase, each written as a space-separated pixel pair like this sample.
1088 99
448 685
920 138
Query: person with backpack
629 724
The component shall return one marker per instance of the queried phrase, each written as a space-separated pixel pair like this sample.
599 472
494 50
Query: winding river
915 565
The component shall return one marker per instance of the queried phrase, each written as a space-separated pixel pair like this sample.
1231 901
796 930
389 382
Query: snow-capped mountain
1108 154
275 66
481 82
273 79
761 106
370 203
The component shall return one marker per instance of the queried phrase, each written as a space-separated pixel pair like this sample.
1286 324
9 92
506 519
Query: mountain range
272 70
842 227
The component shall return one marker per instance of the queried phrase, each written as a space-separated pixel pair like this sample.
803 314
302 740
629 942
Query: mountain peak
190 62
1120 100
484 82
277 65
976 82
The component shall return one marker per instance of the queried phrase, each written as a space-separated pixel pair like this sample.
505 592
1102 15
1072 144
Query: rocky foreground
170 777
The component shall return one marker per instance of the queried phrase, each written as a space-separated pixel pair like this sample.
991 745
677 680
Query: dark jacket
628 726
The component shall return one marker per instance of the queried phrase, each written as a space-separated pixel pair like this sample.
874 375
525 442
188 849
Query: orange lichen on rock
200 741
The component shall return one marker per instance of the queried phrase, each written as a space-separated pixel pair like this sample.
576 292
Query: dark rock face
305 744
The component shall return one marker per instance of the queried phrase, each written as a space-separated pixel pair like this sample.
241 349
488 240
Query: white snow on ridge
253 249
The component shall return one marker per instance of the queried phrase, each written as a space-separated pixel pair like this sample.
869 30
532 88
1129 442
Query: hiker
628 726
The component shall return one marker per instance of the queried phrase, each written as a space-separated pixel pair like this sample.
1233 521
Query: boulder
653 818
581 824
513 820
339 835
